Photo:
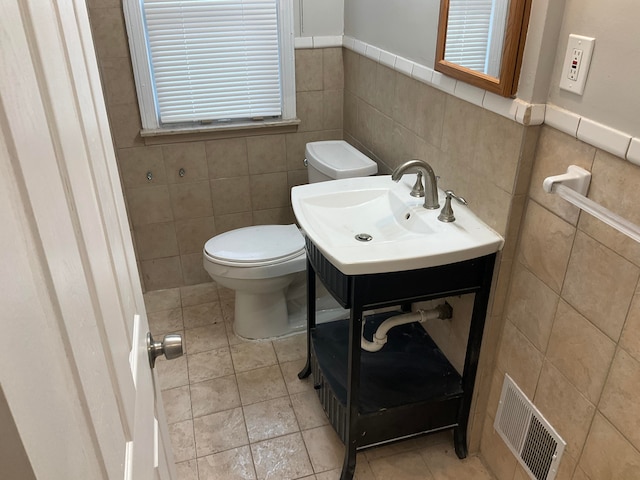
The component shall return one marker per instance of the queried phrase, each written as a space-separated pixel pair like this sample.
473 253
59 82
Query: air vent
534 442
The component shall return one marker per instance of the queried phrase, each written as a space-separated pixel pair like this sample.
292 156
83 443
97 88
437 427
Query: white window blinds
474 34
214 59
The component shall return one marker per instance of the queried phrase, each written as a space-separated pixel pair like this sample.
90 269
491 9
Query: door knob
170 347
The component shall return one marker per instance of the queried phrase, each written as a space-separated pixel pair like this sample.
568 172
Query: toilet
266 264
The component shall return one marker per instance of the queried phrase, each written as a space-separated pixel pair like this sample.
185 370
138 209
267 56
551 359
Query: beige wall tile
489 202
527 158
267 154
366 79
405 99
516 217
149 205
430 105
531 306
191 200
332 69
351 64
109 33
309 72
580 351
192 234
309 110
614 185
566 409
297 177
495 453
460 131
125 124
274 216
332 109
230 195
520 359
161 273
156 240
193 271
546 245
600 284
498 149
269 190
227 158
619 402
224 223
630 339
189 156
608 455
385 89
136 162
556 151
350 121
117 81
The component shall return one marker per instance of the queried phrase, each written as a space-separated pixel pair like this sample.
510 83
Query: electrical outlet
576 63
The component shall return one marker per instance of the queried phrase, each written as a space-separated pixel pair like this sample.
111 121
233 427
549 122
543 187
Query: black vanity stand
408 387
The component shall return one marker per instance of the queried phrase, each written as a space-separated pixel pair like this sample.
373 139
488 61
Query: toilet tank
335 159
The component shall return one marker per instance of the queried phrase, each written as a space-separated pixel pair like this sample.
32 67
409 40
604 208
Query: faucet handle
418 189
446 215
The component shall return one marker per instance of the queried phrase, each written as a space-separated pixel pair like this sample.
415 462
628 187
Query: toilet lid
258 245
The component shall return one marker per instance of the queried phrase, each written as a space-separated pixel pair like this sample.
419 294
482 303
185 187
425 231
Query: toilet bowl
265 264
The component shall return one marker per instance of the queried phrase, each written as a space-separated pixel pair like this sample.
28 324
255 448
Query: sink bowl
370 225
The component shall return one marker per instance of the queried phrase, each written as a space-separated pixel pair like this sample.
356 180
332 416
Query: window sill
215 132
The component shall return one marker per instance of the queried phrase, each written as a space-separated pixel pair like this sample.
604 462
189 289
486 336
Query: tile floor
237 410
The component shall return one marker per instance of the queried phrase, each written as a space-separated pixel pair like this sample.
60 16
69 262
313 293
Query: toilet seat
262 251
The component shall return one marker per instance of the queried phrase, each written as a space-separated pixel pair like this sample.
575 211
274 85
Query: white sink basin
404 235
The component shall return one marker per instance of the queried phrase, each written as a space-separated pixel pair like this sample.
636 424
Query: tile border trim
611 140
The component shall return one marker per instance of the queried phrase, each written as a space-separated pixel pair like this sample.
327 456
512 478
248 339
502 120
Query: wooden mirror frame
516 32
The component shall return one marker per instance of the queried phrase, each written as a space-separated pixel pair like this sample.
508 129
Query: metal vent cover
533 441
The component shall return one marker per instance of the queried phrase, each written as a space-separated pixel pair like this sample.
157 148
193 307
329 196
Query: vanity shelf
409 387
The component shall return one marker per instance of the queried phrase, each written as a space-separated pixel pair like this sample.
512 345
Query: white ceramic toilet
266 264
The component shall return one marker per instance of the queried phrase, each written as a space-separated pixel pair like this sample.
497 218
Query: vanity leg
353 392
311 316
460 442
472 357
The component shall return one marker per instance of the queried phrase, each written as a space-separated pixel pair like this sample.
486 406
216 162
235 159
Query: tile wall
482 156
228 183
571 338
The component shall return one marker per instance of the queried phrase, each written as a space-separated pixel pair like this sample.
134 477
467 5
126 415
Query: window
211 62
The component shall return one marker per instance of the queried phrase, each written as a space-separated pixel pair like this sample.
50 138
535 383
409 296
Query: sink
371 225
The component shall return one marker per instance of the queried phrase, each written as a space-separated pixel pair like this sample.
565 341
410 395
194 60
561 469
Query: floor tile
187 470
157 300
177 404
261 384
199 294
182 441
290 372
235 464
444 464
308 410
251 355
207 365
403 466
269 419
281 458
219 432
325 448
204 314
165 321
215 395
172 373
291 348
208 337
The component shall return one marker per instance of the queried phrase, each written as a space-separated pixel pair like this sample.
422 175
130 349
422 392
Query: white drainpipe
442 311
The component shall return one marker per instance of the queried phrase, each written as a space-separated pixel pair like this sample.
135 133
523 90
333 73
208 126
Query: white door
73 363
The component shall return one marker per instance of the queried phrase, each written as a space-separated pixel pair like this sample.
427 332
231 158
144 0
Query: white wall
318 17
407 28
612 91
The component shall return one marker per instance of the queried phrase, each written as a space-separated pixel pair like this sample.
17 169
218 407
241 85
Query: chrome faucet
431 184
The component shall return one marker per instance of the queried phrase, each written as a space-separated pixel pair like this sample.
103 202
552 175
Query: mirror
481 42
